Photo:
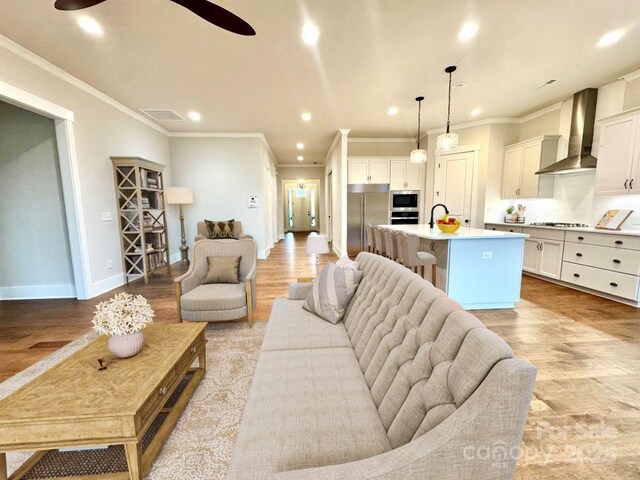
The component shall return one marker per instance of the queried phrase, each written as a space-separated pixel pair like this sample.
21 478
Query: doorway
330 206
301 205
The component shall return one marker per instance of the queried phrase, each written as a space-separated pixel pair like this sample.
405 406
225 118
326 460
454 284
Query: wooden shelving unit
141 216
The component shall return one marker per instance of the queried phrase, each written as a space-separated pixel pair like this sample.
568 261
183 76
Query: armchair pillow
223 270
220 229
331 292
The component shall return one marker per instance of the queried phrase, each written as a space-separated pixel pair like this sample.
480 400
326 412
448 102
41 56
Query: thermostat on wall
253 201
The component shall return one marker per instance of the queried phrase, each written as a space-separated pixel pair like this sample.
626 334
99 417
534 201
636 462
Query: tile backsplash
574 201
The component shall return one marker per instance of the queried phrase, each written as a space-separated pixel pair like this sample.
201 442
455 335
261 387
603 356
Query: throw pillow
220 229
331 292
347 263
223 270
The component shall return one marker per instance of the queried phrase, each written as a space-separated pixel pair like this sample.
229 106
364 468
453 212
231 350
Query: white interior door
530 165
512 172
456 183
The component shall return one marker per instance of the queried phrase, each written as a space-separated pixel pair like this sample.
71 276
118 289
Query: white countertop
424 231
633 232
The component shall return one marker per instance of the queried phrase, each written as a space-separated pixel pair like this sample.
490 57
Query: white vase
125 346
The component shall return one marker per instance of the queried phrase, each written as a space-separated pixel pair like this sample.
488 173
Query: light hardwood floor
584 421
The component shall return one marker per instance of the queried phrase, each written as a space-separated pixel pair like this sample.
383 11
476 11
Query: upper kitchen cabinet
404 175
368 170
522 161
618 170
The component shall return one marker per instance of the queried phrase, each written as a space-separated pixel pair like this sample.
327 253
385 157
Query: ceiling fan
211 12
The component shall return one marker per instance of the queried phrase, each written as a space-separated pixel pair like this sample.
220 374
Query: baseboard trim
103 286
263 254
37 292
176 257
336 250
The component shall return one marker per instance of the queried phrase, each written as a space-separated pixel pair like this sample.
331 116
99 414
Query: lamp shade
447 141
418 156
179 196
317 244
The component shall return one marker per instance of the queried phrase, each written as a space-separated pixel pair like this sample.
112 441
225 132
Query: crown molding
630 76
539 113
291 165
49 67
381 140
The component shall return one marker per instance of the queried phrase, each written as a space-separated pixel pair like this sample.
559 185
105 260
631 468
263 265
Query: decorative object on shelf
447 140
122 319
181 196
613 219
448 224
418 155
141 216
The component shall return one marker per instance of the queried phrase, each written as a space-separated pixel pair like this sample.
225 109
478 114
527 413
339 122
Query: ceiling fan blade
75 4
220 17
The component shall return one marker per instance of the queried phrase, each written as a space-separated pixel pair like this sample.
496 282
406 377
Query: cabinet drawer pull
615 260
493 228
577 275
578 254
613 284
619 242
580 238
625 183
193 349
162 390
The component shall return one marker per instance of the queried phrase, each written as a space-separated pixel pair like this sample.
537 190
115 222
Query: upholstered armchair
218 301
203 232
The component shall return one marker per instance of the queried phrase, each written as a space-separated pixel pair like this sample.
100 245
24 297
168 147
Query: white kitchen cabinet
368 170
618 169
454 183
404 175
531 255
522 161
543 257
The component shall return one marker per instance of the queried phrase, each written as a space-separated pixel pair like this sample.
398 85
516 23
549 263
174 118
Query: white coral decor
122 315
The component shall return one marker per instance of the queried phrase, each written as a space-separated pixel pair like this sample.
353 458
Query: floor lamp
181 196
317 245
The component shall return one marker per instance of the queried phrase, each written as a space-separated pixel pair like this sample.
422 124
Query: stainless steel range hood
583 118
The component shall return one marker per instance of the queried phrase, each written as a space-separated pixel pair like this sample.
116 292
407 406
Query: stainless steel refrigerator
366 203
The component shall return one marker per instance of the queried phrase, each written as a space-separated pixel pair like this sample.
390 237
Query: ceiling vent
551 81
162 114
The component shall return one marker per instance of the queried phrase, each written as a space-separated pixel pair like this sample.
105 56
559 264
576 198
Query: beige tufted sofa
410 386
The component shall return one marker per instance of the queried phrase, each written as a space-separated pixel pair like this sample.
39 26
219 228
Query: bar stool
390 244
379 243
401 242
416 259
370 240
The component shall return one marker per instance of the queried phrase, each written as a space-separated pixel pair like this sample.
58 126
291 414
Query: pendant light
447 140
418 155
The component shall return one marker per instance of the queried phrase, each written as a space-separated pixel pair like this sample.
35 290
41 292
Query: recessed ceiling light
393 111
306 116
90 26
299 146
467 31
300 158
459 85
475 112
610 38
310 33
195 116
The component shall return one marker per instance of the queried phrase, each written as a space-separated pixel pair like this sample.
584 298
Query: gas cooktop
561 224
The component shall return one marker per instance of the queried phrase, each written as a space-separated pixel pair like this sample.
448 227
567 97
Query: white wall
337 163
102 130
384 147
294 173
222 172
35 260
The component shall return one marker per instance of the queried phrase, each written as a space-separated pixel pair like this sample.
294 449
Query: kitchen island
480 269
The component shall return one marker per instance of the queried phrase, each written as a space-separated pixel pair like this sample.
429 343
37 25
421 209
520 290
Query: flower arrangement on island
122 315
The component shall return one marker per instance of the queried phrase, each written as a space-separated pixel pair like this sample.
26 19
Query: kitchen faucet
446 210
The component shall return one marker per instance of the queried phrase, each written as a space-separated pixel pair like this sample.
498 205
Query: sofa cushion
220 229
331 292
223 270
291 328
215 296
306 408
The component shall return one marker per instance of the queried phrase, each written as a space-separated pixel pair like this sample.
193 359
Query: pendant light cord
449 104
419 115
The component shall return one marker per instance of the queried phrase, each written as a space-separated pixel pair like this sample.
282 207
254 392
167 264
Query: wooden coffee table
134 403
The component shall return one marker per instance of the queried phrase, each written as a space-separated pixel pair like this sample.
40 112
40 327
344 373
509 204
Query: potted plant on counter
122 319
509 216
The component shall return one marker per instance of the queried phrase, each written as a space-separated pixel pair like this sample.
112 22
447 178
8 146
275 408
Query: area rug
201 444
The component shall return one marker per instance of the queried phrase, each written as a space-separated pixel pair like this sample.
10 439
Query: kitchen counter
480 269
630 231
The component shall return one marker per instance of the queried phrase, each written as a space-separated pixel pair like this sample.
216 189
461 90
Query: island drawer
604 239
504 228
615 259
613 283
544 233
